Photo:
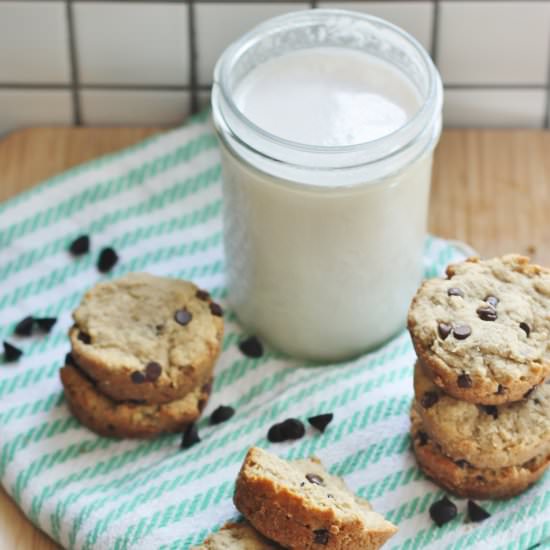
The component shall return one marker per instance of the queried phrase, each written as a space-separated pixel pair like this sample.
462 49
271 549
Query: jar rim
431 101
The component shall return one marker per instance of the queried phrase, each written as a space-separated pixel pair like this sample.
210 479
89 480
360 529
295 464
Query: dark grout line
193 57
504 86
313 4
73 57
434 46
34 86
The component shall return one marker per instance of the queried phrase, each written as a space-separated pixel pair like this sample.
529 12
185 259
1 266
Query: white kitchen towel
159 205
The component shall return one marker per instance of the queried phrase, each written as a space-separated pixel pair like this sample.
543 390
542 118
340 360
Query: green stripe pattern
159 204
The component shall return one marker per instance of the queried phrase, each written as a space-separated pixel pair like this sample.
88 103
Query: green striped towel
159 205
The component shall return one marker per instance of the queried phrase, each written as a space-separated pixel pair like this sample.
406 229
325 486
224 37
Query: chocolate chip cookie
128 419
486 436
299 505
484 331
237 536
465 480
147 338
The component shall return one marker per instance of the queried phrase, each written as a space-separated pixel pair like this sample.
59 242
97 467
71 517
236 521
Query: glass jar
324 244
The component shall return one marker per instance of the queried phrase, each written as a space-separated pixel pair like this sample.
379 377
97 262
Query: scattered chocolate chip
24 327
203 295
252 347
216 309
11 353
525 327
490 410
152 371
69 360
81 245
137 377
275 434
461 332
315 479
487 313
221 414
443 511
182 316
536 401
476 513
500 389
321 421
444 330
84 337
464 380
107 259
455 292
190 437
492 301
320 536
45 324
422 438
528 393
159 329
292 428
429 399
462 463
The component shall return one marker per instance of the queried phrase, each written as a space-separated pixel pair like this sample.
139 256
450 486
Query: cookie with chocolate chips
485 436
483 332
147 338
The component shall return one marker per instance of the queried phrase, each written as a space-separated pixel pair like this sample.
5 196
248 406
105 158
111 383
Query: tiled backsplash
150 62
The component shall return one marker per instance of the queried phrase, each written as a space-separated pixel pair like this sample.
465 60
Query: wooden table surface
491 189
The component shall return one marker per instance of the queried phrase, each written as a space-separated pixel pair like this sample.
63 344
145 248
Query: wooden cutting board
491 189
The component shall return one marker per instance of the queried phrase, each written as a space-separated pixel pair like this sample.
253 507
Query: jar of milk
327 121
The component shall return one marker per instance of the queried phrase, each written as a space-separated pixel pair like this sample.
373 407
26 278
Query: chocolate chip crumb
429 399
320 536
464 380
152 371
321 421
137 377
203 295
461 332
24 327
275 434
476 513
11 353
182 317
444 330
315 479
443 511
84 337
490 410
492 300
251 347
500 389
107 259
487 313
292 428
455 292
526 328
81 245
216 309
45 324
190 437
221 414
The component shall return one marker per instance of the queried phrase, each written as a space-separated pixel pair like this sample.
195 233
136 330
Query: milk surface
327 96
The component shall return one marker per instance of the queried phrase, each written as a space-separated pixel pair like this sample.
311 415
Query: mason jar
324 238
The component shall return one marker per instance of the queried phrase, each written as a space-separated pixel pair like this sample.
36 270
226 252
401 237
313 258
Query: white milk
322 263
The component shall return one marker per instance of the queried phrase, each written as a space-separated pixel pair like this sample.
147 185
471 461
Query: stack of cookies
481 414
142 357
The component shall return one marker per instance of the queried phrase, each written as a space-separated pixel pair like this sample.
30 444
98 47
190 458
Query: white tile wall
33 43
20 108
414 17
219 24
134 108
494 42
126 43
495 108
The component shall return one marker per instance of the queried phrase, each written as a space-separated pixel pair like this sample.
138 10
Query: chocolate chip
275 434
292 428
536 401
45 324
83 337
137 377
202 295
492 301
429 399
526 328
321 421
252 347
69 360
500 389
443 511
461 332
444 330
81 245
11 353
190 437
182 316
455 292
221 414
159 329
476 513
464 380
152 371
320 536
462 463
216 309
107 259
487 313
422 438
490 410
315 479
24 327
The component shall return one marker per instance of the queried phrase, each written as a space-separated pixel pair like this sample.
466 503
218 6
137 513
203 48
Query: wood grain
491 189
